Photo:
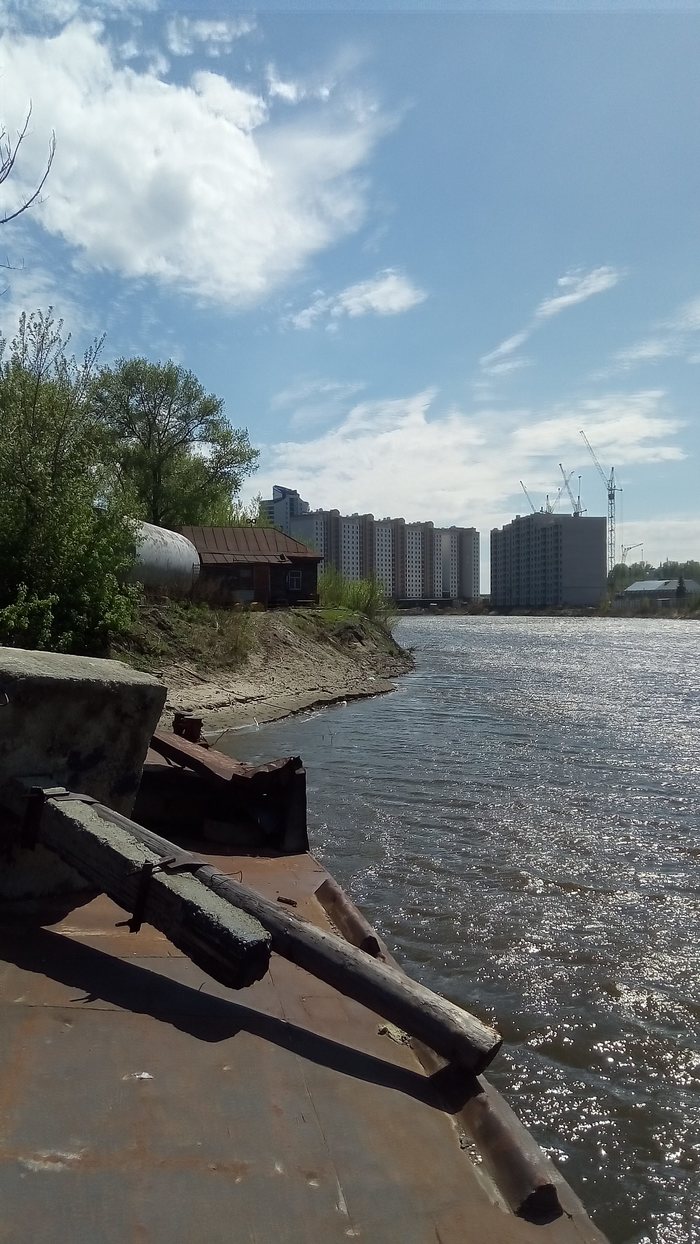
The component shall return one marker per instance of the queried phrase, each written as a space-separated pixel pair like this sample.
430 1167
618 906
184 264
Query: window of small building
294 580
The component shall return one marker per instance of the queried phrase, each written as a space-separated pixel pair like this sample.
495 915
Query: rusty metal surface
255 544
214 765
139 1101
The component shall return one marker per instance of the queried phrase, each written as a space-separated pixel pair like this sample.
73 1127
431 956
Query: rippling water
520 820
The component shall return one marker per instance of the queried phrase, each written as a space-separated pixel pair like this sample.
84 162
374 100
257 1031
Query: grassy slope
222 639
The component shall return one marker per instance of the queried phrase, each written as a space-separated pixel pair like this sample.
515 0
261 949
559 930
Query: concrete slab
79 722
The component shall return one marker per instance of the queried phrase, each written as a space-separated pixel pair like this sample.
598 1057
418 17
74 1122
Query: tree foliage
171 444
621 576
64 544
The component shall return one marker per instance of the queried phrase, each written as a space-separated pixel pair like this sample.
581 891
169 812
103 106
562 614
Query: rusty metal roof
245 559
263 545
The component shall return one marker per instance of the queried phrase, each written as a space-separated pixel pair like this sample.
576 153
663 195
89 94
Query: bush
65 546
366 596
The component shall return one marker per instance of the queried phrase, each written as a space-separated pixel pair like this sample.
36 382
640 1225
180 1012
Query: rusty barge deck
141 1102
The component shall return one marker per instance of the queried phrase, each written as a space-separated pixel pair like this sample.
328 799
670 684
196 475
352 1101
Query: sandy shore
285 673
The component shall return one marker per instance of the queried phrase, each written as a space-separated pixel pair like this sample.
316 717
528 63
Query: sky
415 252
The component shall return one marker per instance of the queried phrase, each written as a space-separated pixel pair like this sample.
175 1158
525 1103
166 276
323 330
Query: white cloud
674 337
293 92
313 400
213 37
51 15
193 185
405 457
574 287
506 347
577 287
502 368
388 293
649 351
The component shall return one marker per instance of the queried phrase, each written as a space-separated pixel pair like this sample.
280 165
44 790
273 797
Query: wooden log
452 1032
107 851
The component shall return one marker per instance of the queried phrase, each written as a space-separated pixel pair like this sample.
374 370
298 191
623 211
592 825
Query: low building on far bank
664 593
548 561
254 564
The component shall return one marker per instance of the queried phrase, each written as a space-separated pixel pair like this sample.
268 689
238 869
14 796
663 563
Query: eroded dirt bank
262 666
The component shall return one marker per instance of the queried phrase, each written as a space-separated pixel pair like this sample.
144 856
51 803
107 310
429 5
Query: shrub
65 546
366 596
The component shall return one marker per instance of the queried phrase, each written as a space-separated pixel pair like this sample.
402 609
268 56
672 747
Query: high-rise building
390 556
320 530
456 563
412 561
420 561
545 560
284 505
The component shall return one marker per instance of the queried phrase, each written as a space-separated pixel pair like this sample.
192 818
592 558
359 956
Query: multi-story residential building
420 561
413 561
390 556
544 560
456 565
320 530
284 505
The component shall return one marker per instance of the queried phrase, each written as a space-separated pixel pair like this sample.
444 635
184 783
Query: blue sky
416 253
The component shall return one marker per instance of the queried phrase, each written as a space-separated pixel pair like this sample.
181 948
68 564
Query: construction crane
627 548
548 507
575 501
529 498
611 488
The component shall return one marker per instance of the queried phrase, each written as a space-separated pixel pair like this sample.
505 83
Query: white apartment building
350 542
412 561
384 554
437 563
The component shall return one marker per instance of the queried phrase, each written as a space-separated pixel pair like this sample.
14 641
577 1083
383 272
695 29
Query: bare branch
8 156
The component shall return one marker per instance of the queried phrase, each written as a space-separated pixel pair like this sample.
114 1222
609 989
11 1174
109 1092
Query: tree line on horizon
85 450
621 576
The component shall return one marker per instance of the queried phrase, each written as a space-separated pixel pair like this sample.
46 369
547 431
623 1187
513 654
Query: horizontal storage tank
165 560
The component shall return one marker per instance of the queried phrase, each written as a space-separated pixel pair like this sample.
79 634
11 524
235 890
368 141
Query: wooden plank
225 942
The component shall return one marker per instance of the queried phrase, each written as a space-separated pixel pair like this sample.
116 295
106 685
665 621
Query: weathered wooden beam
107 850
452 1032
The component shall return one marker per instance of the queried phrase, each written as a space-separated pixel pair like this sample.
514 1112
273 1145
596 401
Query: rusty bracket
179 862
36 801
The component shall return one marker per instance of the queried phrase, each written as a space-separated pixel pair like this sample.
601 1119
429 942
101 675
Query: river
520 819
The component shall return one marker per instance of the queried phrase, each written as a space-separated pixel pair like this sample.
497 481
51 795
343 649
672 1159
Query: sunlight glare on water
520 820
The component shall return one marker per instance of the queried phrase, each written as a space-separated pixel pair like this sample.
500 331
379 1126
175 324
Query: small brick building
261 564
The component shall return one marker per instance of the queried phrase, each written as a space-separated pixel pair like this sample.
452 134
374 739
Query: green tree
64 544
172 445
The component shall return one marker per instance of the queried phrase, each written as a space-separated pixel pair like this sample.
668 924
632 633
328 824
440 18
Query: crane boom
530 501
592 452
611 488
570 495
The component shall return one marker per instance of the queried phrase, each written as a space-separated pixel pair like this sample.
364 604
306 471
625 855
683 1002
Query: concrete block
78 722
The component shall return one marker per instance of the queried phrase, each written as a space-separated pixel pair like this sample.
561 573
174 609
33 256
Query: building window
294 580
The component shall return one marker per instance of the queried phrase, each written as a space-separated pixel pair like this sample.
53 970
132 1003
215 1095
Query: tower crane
548 507
627 548
611 488
575 501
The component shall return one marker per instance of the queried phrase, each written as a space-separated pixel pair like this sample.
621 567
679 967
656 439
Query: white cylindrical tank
165 560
